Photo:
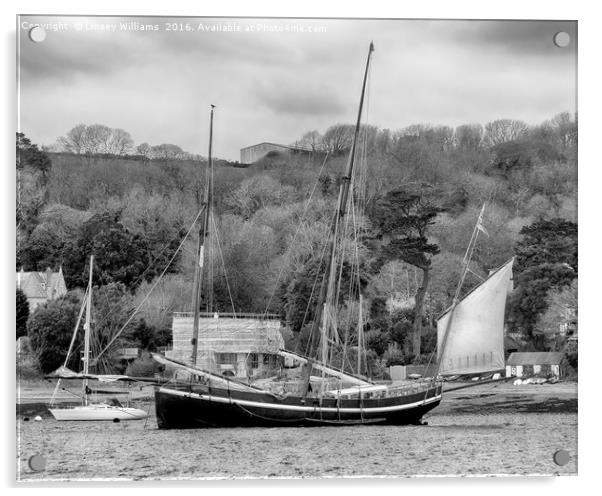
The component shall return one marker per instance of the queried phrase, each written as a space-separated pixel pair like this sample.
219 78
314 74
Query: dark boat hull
198 407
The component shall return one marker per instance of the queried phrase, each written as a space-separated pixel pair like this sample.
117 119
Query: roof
535 358
289 147
37 284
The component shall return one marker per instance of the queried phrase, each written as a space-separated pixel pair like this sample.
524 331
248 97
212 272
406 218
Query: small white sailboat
113 410
98 411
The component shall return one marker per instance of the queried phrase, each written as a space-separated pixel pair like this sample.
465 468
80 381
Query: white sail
475 334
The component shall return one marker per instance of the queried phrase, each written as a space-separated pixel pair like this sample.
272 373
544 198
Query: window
254 359
226 358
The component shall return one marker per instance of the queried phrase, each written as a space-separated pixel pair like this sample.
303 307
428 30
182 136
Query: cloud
275 86
296 97
518 37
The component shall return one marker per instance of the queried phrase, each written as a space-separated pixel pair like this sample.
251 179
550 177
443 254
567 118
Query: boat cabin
235 345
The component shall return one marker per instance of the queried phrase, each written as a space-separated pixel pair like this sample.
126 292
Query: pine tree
401 220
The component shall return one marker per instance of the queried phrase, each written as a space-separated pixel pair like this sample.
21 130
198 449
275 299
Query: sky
275 79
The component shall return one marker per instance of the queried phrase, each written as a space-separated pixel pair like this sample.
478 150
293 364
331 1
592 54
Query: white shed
527 364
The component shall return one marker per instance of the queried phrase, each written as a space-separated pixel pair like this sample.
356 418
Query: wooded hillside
424 189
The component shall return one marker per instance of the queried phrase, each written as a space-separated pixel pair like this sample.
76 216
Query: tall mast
87 334
465 269
203 232
360 338
340 212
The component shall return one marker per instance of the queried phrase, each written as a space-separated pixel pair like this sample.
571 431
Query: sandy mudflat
488 429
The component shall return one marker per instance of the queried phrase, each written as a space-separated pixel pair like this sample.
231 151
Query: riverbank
504 397
487 429
498 397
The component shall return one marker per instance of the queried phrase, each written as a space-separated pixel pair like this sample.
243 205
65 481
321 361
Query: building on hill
237 345
253 153
542 363
39 287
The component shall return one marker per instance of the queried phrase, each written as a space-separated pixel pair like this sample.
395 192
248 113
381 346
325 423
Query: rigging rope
219 250
357 205
301 223
79 318
153 287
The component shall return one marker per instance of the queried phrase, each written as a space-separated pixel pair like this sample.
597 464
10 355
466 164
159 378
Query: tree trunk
417 337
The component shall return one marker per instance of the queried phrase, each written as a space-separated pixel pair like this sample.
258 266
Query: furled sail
475 333
213 379
65 373
327 370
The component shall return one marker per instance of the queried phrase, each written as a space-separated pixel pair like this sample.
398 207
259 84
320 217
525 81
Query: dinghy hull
97 412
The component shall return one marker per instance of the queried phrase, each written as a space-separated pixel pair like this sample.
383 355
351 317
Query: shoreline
479 399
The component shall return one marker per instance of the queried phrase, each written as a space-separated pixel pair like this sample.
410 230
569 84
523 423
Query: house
23 347
237 345
39 287
253 153
542 363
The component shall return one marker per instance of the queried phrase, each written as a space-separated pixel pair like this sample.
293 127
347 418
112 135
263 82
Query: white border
589 115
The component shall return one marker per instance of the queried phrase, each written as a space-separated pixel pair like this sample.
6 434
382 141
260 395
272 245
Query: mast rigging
200 253
329 270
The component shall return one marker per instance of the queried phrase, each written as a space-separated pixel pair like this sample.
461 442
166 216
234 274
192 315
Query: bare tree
338 138
565 129
312 140
503 130
121 142
383 141
75 141
166 151
144 149
469 136
96 139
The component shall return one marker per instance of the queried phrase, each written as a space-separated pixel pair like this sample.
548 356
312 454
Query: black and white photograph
295 247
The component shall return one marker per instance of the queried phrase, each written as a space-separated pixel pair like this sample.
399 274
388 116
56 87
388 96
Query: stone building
241 345
39 287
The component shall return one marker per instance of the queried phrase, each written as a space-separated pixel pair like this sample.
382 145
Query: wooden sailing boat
89 410
342 398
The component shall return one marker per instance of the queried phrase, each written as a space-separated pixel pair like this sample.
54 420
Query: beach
486 429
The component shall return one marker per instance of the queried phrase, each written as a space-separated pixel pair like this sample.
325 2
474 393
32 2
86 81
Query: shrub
144 366
50 329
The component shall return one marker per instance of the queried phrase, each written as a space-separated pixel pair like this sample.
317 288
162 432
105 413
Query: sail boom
326 369
217 379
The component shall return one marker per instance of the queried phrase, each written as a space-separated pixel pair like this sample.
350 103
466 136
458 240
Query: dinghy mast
87 324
